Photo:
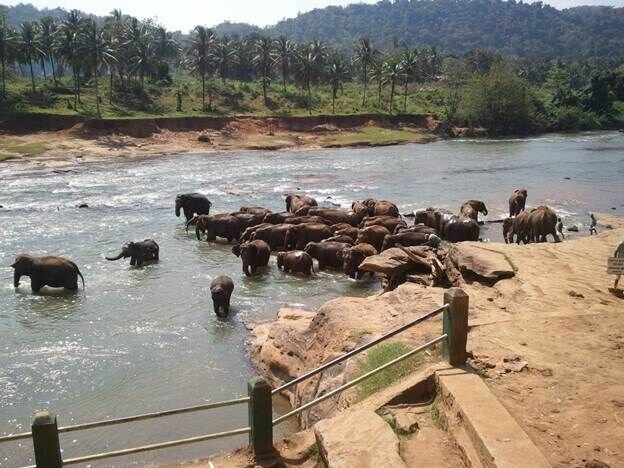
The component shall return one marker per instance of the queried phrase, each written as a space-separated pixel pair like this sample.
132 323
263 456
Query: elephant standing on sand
472 208
517 201
254 254
192 204
139 252
542 221
56 272
221 291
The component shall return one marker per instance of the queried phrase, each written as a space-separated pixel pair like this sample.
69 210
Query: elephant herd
304 232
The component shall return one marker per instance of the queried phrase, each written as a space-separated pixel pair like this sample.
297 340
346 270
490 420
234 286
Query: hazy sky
185 14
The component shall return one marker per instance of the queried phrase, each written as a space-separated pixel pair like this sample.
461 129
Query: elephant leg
133 260
140 260
72 284
36 284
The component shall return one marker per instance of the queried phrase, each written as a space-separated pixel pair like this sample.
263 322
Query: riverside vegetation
119 66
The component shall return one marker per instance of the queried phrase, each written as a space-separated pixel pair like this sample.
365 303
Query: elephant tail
79 274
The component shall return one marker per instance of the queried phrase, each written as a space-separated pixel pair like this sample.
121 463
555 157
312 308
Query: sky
185 14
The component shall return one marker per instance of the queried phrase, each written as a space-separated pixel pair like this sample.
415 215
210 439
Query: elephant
432 217
336 216
352 257
254 254
274 235
220 225
295 202
248 219
406 239
389 222
307 219
381 208
542 221
247 233
328 254
360 208
472 208
255 210
458 229
57 272
519 227
373 235
298 236
517 201
417 228
345 229
139 252
340 238
191 204
277 218
295 261
221 291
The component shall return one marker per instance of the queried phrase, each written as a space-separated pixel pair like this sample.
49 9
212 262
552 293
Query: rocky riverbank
548 339
56 140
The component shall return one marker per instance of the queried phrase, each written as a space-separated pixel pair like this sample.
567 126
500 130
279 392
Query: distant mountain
457 26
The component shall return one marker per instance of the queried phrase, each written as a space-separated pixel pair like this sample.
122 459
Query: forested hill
460 25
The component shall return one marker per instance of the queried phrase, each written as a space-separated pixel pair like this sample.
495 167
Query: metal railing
45 433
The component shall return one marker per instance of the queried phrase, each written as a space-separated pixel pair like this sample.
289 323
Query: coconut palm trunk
32 75
365 85
45 76
97 92
405 96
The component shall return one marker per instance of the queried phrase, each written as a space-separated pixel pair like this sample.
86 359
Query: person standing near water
560 228
619 253
592 226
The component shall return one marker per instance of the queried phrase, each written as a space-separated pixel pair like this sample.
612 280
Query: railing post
260 417
46 440
455 325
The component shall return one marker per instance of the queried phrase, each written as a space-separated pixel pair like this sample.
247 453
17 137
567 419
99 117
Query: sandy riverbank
556 317
52 144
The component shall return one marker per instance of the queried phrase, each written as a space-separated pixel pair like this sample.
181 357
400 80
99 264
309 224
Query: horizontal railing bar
358 380
157 414
20 436
351 353
146 448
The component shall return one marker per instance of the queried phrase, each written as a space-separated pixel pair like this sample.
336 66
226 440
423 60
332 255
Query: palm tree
94 50
377 74
199 55
224 55
45 39
392 73
7 45
263 62
115 27
364 54
284 49
306 69
141 46
409 66
336 74
28 47
67 45
165 49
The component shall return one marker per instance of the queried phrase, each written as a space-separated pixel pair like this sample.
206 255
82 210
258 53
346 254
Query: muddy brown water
141 340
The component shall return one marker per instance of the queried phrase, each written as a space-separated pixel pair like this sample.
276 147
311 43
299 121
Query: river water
141 340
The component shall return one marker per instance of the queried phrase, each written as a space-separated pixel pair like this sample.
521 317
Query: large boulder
358 438
477 263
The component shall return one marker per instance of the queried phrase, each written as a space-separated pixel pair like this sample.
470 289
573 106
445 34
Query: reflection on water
143 339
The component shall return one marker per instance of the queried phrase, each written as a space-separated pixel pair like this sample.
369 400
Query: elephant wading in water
298 236
139 252
458 229
389 222
472 208
295 261
373 235
221 291
517 201
335 216
352 257
254 254
192 204
519 227
381 208
328 254
274 235
221 225
56 272
542 221
296 202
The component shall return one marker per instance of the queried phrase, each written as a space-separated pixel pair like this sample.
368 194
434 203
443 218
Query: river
141 340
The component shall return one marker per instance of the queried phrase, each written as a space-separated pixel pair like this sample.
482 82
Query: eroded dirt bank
554 321
64 138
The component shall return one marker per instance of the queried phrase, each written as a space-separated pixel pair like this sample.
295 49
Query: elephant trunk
112 259
16 278
177 208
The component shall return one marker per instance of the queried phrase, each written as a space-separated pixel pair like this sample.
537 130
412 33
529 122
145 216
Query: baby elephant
254 254
139 252
221 290
57 272
295 261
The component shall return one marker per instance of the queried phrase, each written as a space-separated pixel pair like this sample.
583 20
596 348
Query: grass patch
371 135
380 355
9 149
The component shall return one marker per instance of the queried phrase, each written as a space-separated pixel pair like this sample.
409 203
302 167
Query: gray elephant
57 272
254 254
352 257
139 252
458 229
192 204
221 291
542 222
472 208
517 201
296 201
295 261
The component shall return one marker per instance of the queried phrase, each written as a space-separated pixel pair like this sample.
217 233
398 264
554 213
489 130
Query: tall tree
307 69
337 74
28 48
263 61
199 56
364 54
409 66
392 74
7 44
224 55
95 52
45 39
67 46
284 50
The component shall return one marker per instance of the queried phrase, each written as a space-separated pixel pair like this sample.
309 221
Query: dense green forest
121 66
